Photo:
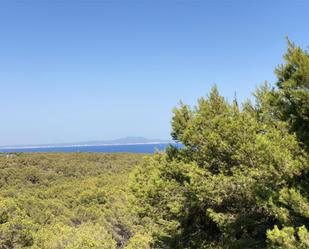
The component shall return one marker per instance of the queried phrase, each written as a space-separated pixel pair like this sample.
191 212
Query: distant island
120 141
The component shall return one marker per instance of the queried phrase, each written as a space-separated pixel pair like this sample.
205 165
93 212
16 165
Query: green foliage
140 241
84 236
290 102
241 178
287 238
69 200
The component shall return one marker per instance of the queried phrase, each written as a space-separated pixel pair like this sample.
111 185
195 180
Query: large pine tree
291 98
241 178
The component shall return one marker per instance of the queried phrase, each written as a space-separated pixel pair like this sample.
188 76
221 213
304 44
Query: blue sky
92 70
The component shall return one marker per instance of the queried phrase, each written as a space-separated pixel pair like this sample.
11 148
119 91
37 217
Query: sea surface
129 148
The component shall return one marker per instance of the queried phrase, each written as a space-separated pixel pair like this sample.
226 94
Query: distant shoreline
80 145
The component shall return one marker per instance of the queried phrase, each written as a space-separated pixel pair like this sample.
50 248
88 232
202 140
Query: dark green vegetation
65 200
241 180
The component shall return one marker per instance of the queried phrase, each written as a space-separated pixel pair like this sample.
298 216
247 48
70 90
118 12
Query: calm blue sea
134 148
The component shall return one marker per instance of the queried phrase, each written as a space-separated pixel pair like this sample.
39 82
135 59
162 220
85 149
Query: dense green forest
240 180
65 200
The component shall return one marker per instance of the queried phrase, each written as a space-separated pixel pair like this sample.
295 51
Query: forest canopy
65 200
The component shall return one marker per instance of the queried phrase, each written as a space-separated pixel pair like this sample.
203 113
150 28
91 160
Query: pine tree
291 100
241 178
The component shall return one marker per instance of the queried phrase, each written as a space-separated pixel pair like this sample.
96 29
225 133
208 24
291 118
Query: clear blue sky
91 70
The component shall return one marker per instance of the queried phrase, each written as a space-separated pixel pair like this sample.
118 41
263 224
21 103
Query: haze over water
128 148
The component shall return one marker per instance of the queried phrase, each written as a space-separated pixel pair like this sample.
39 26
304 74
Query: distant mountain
131 140
119 141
